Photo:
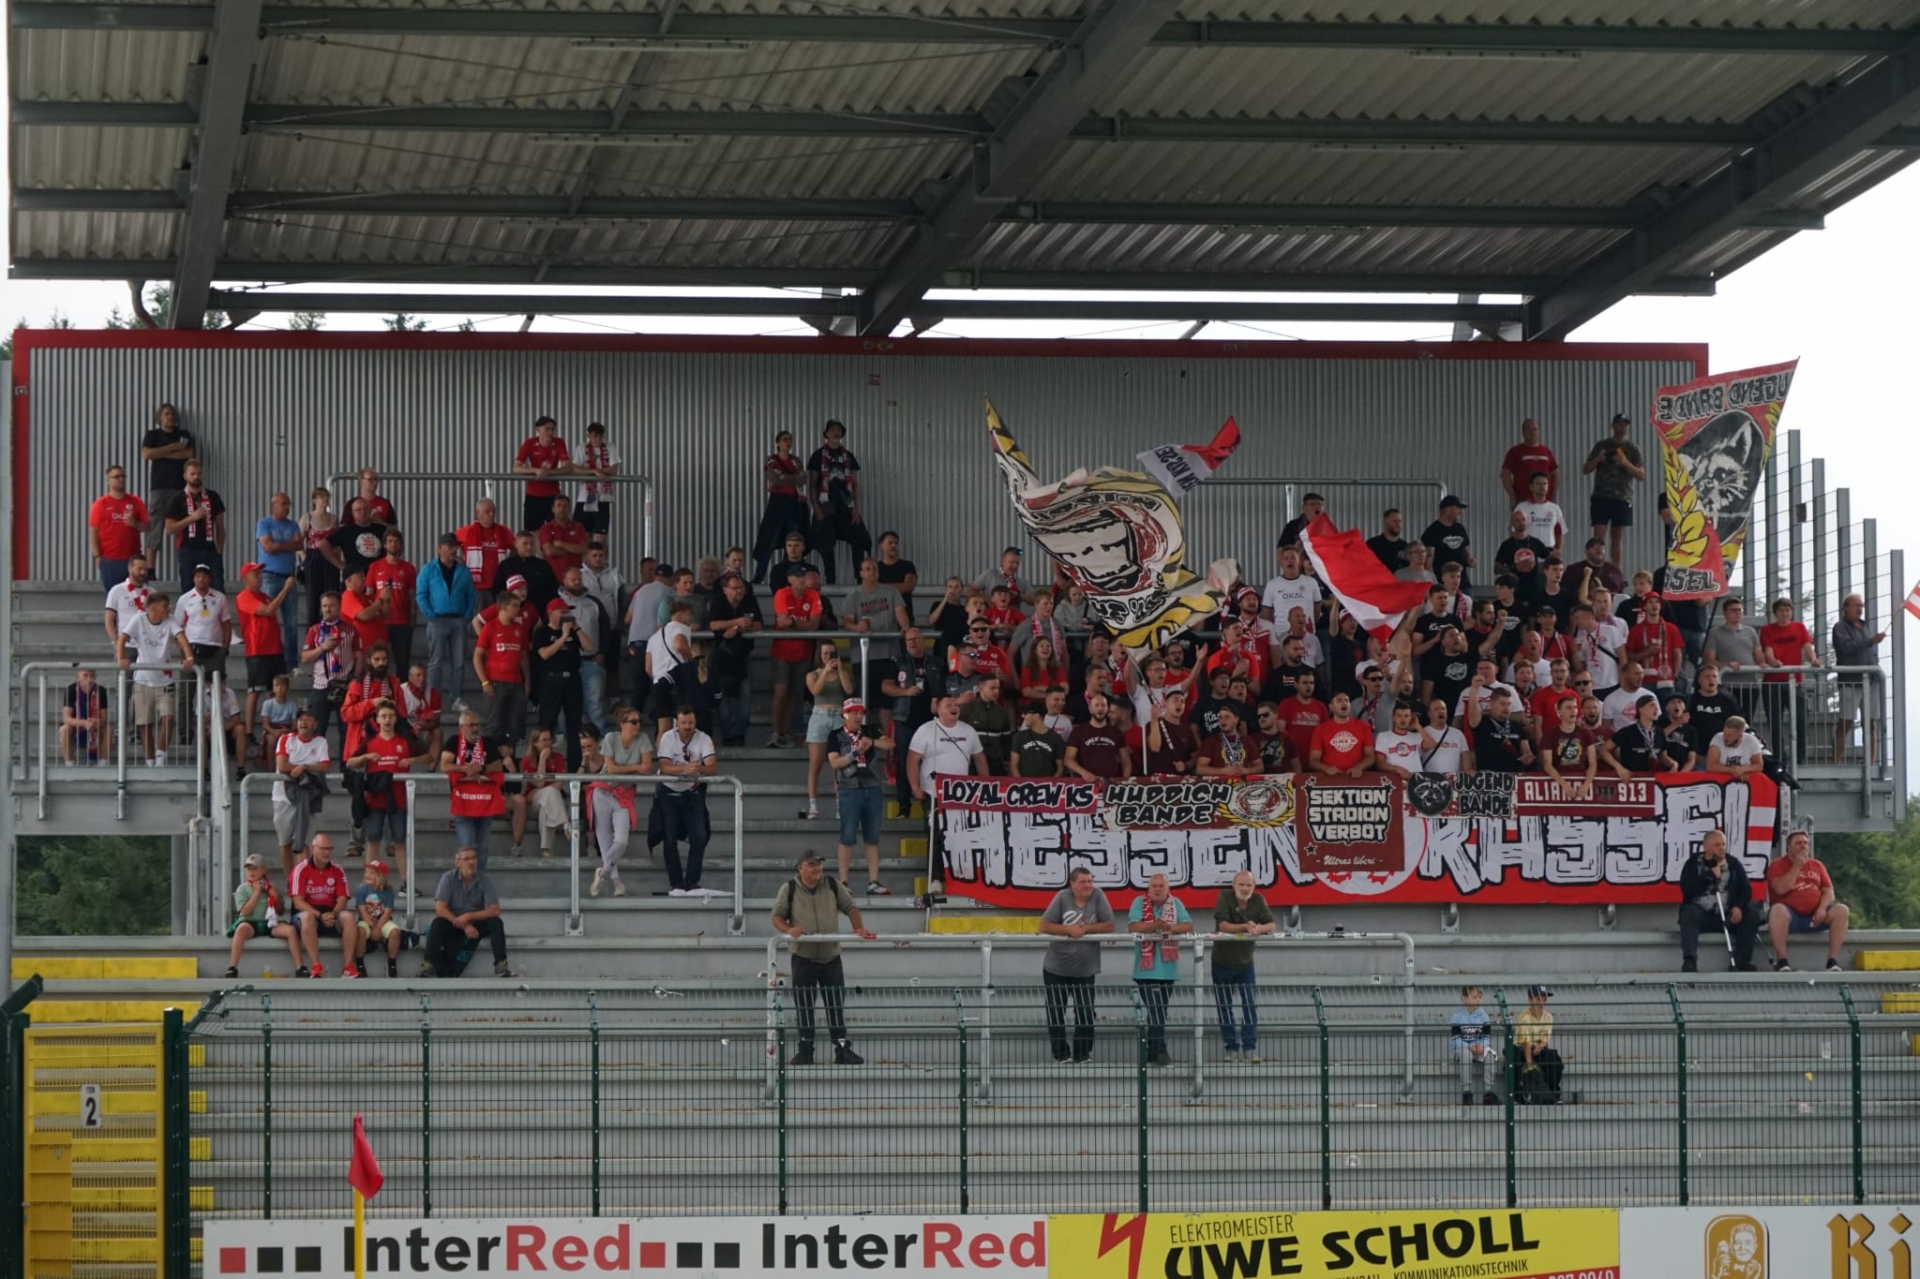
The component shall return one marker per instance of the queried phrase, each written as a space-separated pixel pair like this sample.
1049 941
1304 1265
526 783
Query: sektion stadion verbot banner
1500 839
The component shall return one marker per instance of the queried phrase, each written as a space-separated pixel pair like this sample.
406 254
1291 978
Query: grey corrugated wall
699 422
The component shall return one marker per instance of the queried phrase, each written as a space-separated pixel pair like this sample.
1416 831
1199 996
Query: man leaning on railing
1854 645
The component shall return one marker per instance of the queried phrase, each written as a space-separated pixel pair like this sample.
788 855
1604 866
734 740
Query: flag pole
359 1235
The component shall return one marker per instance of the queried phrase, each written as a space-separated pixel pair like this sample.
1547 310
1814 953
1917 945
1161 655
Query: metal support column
1897 731
1825 605
1796 538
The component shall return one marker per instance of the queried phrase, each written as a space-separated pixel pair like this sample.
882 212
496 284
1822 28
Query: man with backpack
810 904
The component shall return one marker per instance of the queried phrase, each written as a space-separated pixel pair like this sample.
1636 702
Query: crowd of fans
542 659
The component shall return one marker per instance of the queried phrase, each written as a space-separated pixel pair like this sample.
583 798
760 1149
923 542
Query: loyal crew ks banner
1310 840
1716 434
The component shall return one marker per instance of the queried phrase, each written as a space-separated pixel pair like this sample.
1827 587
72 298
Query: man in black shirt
1447 538
1446 671
542 585
165 448
1038 751
1388 545
359 541
1311 506
558 643
197 520
1499 742
1676 732
734 617
1511 616
1708 707
914 680
1204 717
1506 559
1284 680
795 551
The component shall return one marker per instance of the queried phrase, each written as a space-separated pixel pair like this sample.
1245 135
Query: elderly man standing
810 904
1070 968
465 908
1243 912
1802 894
1156 918
1854 645
1715 895
444 594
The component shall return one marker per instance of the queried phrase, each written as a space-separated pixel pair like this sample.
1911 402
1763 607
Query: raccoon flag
1716 434
1118 535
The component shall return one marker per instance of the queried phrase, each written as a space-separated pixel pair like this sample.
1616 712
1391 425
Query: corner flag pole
363 1174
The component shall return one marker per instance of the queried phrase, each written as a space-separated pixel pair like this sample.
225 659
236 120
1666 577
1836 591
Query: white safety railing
1202 992
231 830
345 487
39 762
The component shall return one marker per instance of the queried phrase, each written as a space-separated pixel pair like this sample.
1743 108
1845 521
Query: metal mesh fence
1056 1099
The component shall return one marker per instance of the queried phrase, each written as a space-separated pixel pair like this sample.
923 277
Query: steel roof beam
589 124
827 308
591 274
232 48
721 208
1798 153
906 29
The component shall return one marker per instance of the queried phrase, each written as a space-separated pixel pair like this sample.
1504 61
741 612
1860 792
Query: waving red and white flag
1182 467
1364 586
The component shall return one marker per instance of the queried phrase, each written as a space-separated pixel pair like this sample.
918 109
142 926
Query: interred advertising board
1486 839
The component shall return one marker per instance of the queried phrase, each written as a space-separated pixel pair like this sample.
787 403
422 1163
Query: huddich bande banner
1716 434
1489 838
1740 1242
1567 1243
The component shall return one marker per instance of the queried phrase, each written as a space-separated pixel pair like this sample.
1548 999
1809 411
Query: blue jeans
448 648
1154 993
684 816
734 712
593 692
861 806
289 616
112 573
474 833
1225 982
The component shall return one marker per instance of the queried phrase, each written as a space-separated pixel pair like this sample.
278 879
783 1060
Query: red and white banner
1492 839
1364 586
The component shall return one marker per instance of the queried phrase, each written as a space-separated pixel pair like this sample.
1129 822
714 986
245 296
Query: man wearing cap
1447 540
1615 465
203 617
466 908
501 661
1007 575
810 904
445 597
260 632
1540 1066
856 756
295 802
834 488
374 924
561 644
393 578
279 540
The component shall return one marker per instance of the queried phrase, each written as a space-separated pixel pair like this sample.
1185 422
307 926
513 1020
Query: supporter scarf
595 459
1368 706
1169 950
196 512
1052 632
1233 750
474 796
322 632
416 705
782 474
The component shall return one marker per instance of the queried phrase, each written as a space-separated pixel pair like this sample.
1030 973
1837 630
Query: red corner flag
364 1176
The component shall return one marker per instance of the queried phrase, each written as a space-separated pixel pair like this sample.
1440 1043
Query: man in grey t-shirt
1734 649
466 908
875 609
1078 910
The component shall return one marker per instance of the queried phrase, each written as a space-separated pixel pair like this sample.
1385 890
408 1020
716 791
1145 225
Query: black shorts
663 699
1610 512
261 671
325 930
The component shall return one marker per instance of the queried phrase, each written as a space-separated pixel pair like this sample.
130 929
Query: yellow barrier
108 968
1886 961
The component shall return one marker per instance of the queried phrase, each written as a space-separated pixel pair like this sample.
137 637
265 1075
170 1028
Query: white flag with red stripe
1364 586
1913 600
1182 467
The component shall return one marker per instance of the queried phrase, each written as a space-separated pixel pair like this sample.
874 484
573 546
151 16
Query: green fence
642 1102
14 1019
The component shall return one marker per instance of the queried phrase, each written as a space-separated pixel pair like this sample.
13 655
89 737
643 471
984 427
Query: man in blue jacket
1716 896
444 594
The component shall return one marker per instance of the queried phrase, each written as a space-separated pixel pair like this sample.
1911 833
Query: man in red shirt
500 658
392 578
1299 715
379 507
1544 706
542 455
320 896
484 542
115 525
1569 750
1164 744
366 611
1525 460
563 539
260 632
1801 891
1342 744
1791 644
1656 645
796 607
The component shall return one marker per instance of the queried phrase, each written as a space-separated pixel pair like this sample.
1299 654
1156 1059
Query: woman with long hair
785 479
624 754
547 798
1042 670
829 684
316 570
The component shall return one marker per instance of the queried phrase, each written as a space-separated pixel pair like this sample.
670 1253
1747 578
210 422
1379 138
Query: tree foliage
401 322
95 886
1877 875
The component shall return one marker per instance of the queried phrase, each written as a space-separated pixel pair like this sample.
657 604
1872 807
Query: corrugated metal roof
338 70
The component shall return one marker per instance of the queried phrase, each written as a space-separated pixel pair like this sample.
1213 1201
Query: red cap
515 582
254 567
557 606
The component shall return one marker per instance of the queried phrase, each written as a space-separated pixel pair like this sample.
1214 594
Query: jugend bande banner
1544 1244
1494 838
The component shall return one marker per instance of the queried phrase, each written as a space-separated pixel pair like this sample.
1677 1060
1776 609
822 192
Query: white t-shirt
295 751
1444 758
583 492
1282 595
127 601
1617 711
1486 695
151 643
675 751
661 651
1748 751
944 750
1402 750
1546 522
229 704
202 617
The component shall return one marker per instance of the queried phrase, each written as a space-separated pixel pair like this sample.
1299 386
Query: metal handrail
39 765
576 784
1116 940
491 478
